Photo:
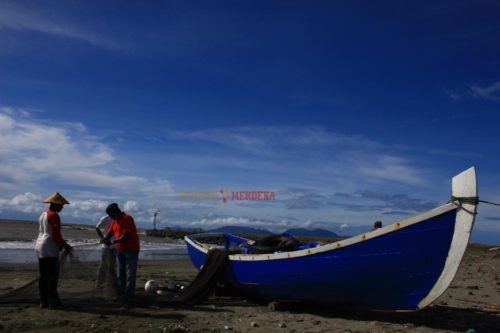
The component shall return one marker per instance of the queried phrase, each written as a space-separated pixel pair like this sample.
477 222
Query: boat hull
392 272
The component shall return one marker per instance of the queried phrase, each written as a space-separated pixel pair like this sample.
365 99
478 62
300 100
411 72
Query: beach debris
282 305
228 327
151 286
254 324
281 325
175 328
171 285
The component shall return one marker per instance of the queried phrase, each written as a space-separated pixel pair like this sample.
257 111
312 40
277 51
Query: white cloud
26 203
259 138
391 168
310 148
487 92
67 156
131 206
89 205
213 221
52 23
34 150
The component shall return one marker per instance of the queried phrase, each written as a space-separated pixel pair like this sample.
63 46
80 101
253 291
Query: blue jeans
127 263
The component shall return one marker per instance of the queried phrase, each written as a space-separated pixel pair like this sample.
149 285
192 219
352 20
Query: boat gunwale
330 246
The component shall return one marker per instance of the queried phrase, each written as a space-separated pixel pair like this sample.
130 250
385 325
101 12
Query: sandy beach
472 302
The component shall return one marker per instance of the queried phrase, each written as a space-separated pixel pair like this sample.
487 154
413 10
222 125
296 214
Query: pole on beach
154 220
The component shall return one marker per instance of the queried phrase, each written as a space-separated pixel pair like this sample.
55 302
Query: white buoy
151 286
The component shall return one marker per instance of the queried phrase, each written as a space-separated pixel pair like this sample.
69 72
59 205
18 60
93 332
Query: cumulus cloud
26 203
213 221
67 156
34 150
131 206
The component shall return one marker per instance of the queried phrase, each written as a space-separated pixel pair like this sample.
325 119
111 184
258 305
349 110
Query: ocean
23 252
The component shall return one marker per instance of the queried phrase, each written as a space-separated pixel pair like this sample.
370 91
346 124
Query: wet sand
472 302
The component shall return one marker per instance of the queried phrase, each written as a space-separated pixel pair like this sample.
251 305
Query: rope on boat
469 200
490 203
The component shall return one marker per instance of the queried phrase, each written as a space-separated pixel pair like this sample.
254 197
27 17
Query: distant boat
404 266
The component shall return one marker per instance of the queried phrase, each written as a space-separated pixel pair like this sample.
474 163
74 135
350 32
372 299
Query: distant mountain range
312 232
243 230
293 232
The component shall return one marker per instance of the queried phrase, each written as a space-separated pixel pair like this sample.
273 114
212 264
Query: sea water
16 252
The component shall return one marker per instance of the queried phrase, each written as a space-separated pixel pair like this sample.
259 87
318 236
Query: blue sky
350 111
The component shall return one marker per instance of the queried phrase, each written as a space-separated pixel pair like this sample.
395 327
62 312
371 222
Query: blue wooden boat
404 266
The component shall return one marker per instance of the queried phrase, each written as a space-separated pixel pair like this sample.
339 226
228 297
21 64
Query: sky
348 111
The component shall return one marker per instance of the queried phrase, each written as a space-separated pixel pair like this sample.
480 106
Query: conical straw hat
56 198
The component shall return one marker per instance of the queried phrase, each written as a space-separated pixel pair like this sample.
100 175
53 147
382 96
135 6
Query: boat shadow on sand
437 317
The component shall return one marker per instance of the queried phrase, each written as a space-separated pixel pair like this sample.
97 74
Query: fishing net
77 278
78 283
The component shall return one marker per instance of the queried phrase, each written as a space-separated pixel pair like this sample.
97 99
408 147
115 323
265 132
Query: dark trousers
47 283
127 271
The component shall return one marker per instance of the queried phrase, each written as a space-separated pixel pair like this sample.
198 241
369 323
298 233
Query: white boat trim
464 185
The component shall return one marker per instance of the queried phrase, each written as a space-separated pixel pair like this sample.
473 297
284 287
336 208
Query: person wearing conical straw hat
47 247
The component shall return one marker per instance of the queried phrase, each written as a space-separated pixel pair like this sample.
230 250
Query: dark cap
113 209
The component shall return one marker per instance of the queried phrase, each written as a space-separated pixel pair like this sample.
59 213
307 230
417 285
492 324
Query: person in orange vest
127 245
47 247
